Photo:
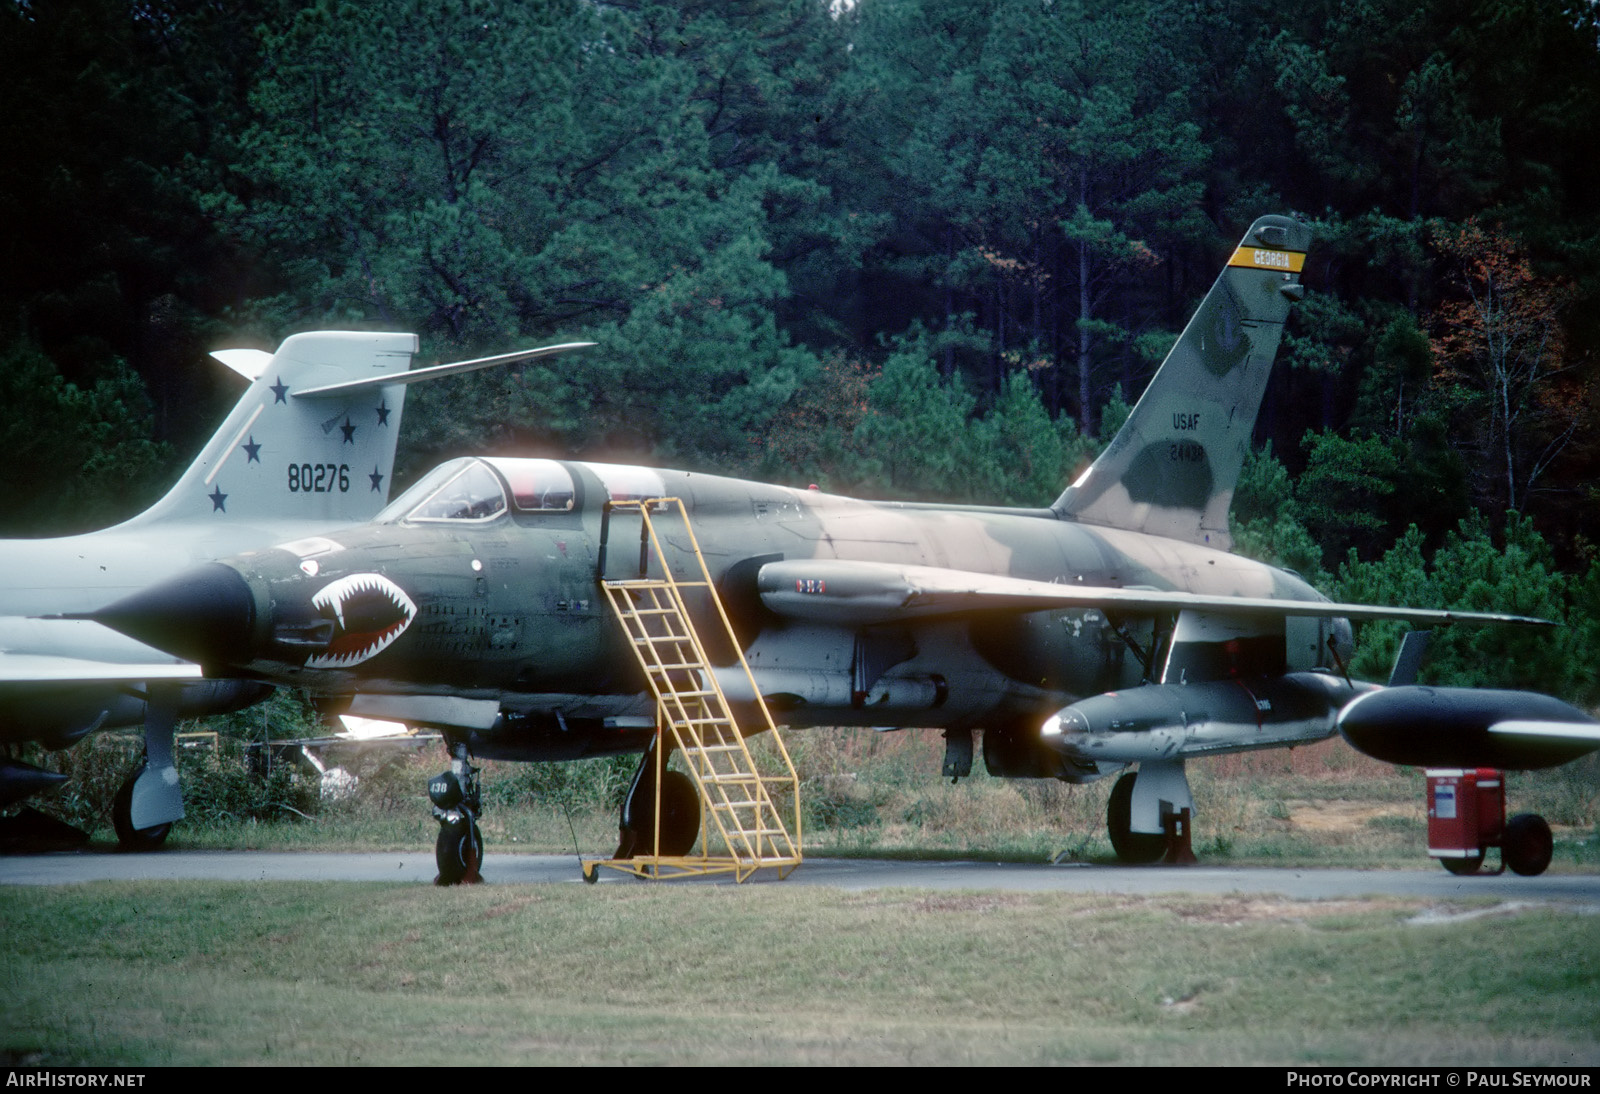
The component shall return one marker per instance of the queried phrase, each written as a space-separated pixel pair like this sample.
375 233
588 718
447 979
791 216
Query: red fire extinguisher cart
1467 816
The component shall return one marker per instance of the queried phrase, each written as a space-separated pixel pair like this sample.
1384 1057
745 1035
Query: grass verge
190 973
865 794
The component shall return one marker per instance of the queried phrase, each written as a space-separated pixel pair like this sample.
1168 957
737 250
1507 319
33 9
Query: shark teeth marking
370 612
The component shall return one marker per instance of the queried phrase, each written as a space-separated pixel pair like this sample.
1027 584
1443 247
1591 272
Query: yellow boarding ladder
740 805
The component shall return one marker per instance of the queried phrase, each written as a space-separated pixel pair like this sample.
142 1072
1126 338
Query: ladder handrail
690 702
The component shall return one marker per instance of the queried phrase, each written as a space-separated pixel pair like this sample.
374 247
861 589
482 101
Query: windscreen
464 489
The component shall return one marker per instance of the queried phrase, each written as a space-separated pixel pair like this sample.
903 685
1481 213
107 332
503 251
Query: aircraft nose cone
204 615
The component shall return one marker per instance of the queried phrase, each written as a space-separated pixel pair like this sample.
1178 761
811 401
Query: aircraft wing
862 593
39 668
57 651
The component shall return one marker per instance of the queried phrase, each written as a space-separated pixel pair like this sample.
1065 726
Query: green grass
189 973
865 794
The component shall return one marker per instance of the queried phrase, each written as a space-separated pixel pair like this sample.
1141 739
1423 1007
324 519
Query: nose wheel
458 851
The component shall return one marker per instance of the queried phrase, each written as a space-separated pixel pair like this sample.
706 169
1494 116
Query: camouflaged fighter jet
1110 631
309 447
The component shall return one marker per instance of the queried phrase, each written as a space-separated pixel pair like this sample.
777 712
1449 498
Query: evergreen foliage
902 247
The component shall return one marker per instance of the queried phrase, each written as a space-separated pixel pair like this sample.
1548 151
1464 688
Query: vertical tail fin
279 457
1171 469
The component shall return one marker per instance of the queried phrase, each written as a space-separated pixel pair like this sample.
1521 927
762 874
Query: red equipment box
1466 811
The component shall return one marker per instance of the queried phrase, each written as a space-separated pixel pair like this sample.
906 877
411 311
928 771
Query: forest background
911 248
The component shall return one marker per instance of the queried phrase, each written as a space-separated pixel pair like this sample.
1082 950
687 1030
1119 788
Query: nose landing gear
456 806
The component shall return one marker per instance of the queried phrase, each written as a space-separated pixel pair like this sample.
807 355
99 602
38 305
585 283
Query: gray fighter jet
309 447
1112 629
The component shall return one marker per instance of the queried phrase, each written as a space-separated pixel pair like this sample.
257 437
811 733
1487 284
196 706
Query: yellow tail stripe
1265 258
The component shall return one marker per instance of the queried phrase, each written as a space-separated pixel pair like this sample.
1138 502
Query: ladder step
761 833
654 617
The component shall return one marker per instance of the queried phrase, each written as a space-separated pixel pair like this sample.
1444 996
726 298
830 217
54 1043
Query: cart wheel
1527 844
1463 866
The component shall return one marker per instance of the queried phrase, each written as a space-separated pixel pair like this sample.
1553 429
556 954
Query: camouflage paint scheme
487 622
528 631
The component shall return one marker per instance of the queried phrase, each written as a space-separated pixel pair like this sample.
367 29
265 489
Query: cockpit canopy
474 489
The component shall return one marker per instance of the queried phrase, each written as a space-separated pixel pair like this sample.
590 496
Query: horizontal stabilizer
861 593
1408 662
435 371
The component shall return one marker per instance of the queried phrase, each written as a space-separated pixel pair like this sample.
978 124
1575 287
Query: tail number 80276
319 478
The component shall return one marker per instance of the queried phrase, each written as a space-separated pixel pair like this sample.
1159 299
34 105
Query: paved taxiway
511 869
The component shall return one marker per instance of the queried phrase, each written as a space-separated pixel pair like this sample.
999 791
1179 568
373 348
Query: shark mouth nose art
371 612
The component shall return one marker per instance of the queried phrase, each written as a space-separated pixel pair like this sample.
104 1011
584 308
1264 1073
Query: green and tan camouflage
1171 470
1113 628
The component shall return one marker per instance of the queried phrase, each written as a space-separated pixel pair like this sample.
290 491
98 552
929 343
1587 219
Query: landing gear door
1306 642
1210 646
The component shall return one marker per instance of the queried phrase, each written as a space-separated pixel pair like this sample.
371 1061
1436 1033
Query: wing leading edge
864 593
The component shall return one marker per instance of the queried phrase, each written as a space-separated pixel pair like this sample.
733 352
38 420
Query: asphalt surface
417 868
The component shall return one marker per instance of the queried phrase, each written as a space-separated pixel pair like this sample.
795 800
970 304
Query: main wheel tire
1134 848
1461 867
680 814
1527 844
129 838
458 853
680 818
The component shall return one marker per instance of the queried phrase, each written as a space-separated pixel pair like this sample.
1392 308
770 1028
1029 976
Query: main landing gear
1157 796
456 806
150 800
130 838
679 814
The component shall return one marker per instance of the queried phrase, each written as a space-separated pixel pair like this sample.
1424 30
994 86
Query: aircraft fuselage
504 610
